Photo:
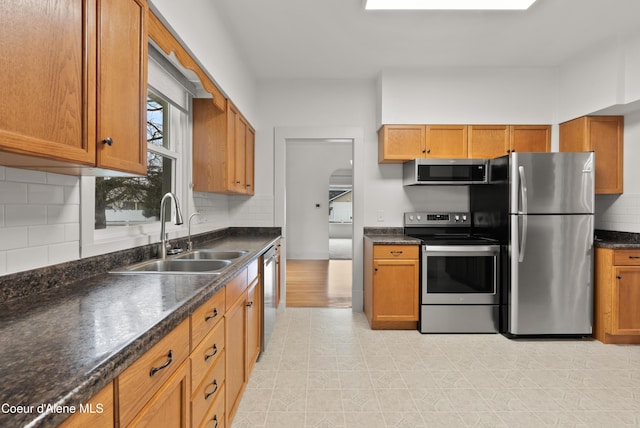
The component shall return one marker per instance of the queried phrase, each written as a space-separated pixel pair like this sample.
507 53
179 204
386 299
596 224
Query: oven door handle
461 250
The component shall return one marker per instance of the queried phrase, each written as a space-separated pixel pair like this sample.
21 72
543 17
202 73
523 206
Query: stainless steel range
459 274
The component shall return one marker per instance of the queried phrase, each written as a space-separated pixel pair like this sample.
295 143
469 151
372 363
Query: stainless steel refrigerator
548 233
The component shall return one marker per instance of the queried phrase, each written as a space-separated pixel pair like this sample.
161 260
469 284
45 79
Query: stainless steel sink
212 254
177 266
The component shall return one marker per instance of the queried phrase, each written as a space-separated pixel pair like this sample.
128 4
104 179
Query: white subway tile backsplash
63 214
3 262
13 193
62 180
27 258
13 237
45 235
72 195
71 232
64 252
25 175
25 215
45 194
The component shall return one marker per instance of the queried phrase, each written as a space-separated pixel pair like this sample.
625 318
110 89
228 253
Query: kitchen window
122 212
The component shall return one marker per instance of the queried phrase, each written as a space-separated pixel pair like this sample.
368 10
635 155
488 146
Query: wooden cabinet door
395 290
250 160
530 138
488 141
236 354
122 86
46 79
400 143
446 141
99 412
170 406
233 119
254 304
625 307
606 137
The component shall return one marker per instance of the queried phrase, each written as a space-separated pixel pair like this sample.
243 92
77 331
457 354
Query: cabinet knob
429 151
619 277
108 141
249 304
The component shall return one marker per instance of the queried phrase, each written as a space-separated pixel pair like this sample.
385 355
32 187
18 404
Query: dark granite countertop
63 345
389 236
617 240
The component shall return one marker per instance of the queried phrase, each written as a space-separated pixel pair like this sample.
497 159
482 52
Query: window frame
164 84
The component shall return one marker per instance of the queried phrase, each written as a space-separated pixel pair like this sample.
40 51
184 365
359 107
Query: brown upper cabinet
492 141
223 149
603 135
223 140
400 143
71 96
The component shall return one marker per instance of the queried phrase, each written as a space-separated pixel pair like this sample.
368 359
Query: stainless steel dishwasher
268 296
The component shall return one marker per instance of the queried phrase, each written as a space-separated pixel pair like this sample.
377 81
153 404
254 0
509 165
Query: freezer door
552 183
551 277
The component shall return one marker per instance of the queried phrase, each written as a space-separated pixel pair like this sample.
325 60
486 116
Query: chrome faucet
177 219
189 243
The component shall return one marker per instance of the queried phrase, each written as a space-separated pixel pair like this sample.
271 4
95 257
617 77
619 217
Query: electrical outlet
380 215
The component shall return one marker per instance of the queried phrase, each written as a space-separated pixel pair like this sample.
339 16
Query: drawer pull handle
396 252
215 421
215 351
634 257
155 370
215 389
213 314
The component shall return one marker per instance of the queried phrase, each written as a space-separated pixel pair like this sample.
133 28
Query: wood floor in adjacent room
319 283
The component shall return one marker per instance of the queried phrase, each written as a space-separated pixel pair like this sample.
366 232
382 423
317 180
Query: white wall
202 29
309 167
468 96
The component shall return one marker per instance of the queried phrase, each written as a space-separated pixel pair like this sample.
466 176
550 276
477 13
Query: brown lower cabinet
617 296
391 285
196 374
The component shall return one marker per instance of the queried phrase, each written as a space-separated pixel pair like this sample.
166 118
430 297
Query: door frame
284 134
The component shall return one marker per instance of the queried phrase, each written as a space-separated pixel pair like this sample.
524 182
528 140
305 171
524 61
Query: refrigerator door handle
523 214
523 190
523 241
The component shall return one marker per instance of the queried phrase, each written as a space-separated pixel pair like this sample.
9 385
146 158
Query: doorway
283 136
318 206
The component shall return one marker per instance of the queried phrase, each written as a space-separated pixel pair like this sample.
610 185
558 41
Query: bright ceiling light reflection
448 4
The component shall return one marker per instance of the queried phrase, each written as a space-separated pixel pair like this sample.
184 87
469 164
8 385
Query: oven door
460 274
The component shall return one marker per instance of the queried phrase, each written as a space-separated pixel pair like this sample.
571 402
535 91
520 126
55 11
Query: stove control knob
410 218
419 218
457 218
464 218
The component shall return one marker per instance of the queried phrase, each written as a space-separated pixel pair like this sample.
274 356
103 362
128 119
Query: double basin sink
210 262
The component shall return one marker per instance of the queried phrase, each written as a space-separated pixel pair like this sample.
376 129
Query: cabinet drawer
138 383
206 354
235 288
210 391
626 257
396 251
206 317
215 416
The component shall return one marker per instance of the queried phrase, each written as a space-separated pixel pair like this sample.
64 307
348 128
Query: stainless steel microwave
445 171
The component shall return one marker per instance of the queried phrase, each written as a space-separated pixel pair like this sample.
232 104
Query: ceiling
310 39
